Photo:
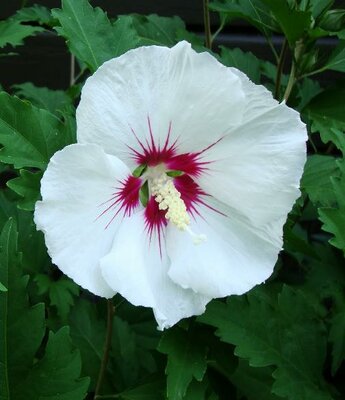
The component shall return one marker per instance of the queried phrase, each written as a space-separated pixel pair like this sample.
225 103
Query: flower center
169 200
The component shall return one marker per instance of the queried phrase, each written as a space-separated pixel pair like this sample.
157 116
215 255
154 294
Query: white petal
233 259
136 269
78 180
199 96
257 166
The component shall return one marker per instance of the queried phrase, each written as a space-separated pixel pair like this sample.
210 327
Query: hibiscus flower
179 185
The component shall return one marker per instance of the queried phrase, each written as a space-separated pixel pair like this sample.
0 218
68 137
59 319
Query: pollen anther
169 198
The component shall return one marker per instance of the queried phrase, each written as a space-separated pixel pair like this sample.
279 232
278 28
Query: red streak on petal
188 163
155 220
126 197
191 193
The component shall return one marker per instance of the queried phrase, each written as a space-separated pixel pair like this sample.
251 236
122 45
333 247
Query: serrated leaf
293 23
27 185
256 13
61 292
29 135
275 331
35 13
334 218
153 29
56 375
21 326
13 32
330 131
336 61
186 360
254 383
90 35
245 62
42 97
316 179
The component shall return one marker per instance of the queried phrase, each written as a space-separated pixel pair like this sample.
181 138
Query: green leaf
329 105
21 326
334 218
56 375
42 97
27 185
330 131
61 293
90 35
293 23
35 13
254 383
271 330
337 338
153 29
245 62
256 13
316 179
130 357
148 391
88 332
336 61
333 20
29 136
13 32
3 288
186 360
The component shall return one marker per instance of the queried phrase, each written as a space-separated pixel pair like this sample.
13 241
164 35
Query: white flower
212 231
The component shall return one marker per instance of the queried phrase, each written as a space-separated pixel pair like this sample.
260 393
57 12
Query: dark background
45 61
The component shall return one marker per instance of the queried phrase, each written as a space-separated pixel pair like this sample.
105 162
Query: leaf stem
107 345
207 26
280 67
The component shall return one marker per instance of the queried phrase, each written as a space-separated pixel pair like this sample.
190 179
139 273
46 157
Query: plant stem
72 70
208 36
293 76
107 345
280 66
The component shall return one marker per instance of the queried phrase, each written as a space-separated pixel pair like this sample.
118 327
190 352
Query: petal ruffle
78 182
233 259
137 269
257 166
199 96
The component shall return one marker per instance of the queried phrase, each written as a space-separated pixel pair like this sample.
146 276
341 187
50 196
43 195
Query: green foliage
35 13
256 13
285 338
90 35
156 30
41 97
13 32
186 360
30 136
267 341
334 218
316 179
245 62
56 374
27 185
293 22
22 326
61 293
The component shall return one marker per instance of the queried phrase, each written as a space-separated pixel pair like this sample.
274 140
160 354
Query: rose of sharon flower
179 185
